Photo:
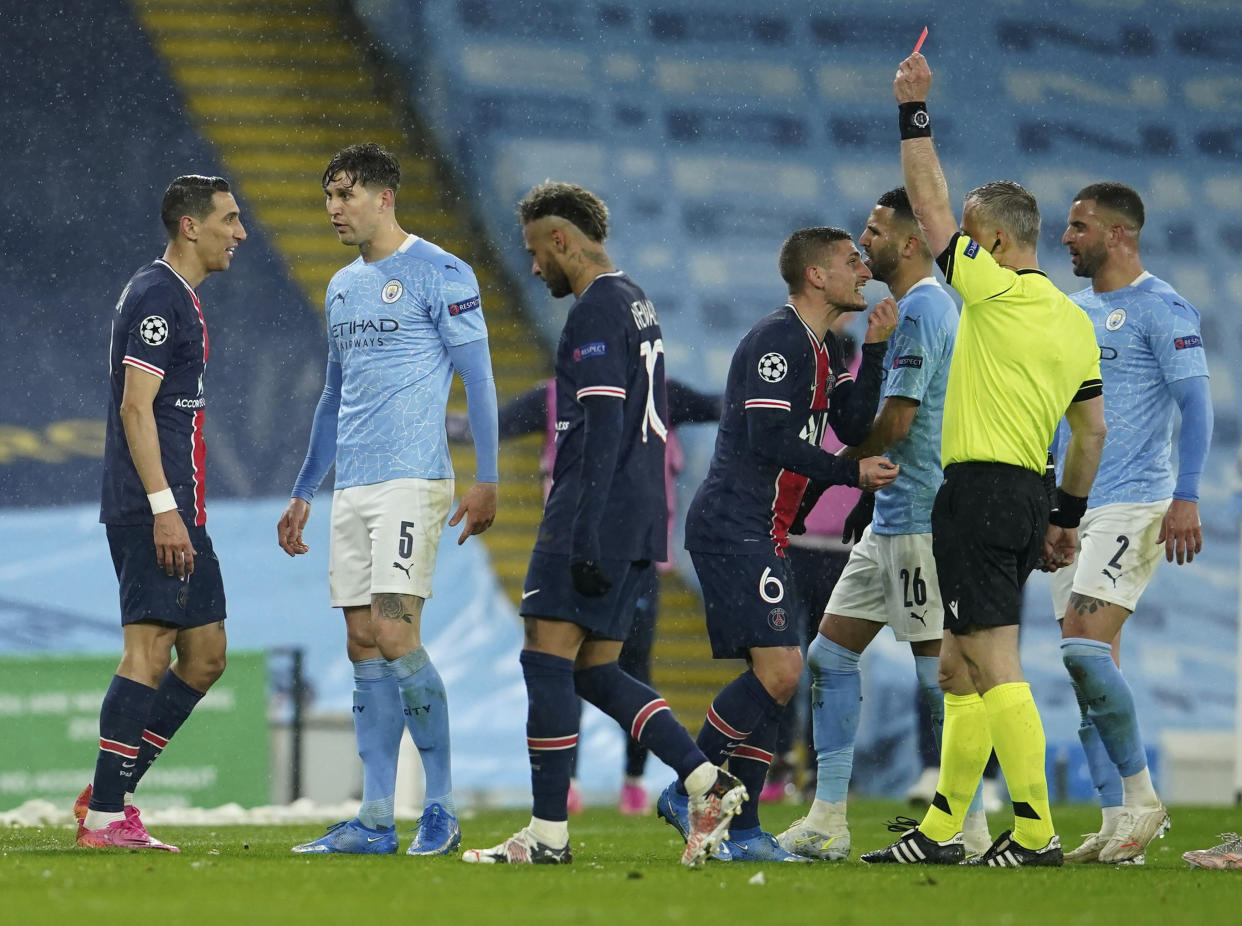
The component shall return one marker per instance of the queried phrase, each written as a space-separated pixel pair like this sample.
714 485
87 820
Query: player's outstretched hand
589 579
859 517
1060 547
478 506
1180 531
876 472
913 80
882 321
173 550
289 527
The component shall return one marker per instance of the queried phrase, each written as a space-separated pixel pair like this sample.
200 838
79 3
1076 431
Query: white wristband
162 501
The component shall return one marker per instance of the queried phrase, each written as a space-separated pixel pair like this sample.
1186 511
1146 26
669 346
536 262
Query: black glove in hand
589 579
858 518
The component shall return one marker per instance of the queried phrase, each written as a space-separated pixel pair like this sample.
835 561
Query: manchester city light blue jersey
1149 338
389 326
916 366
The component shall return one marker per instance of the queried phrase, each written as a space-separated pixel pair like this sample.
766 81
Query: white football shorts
385 537
891 579
1117 555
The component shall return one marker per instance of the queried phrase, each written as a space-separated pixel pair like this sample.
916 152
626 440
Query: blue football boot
438 833
754 845
352 837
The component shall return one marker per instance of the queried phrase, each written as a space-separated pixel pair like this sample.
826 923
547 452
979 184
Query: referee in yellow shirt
1025 356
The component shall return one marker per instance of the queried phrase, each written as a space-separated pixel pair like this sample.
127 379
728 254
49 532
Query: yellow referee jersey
1024 351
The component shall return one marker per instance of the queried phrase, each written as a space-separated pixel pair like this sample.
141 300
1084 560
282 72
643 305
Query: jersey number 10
651 351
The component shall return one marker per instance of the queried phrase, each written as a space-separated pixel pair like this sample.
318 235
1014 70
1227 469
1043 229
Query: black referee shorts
988 527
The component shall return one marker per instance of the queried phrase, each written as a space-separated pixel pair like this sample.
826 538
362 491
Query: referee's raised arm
925 183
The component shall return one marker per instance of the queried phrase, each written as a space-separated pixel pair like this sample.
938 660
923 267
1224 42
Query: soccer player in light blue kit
1152 361
401 318
891 575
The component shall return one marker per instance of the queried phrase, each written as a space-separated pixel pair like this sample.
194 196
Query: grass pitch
624 871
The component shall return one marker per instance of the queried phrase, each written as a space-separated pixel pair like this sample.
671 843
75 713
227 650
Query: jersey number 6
770 588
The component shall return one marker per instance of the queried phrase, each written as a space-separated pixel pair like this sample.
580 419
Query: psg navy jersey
748 501
611 346
158 328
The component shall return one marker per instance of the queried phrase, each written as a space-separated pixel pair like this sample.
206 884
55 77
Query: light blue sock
927 668
426 717
378 725
1109 703
836 703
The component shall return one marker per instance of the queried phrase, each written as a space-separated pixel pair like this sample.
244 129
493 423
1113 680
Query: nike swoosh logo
128 764
533 591
375 838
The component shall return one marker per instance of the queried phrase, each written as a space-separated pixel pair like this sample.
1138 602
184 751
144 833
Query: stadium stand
714 130
100 145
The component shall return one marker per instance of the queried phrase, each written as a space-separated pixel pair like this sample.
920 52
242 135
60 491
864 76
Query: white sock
976 822
552 833
1138 790
701 779
98 819
1109 817
824 816
129 798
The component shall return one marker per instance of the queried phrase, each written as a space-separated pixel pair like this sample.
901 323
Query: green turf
624 871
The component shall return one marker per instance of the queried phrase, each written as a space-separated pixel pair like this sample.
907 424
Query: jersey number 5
651 351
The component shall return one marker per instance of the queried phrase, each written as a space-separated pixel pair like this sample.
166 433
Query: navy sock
172 704
733 716
642 713
552 711
750 762
122 718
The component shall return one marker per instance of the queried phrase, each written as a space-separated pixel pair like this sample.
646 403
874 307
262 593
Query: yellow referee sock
964 752
1018 736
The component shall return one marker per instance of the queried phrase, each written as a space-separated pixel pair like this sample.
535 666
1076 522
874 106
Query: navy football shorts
150 594
750 600
549 593
988 527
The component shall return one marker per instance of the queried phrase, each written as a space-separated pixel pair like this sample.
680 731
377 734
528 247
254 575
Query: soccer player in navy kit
154 508
401 319
787 382
604 524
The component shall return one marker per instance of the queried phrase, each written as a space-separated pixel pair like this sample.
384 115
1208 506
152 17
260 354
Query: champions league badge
773 367
778 619
1116 318
153 330
392 291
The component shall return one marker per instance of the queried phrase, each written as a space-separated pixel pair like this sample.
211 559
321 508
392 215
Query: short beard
558 285
1089 263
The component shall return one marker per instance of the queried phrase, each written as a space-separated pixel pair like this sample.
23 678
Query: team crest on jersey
773 367
153 330
392 291
778 619
1116 318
